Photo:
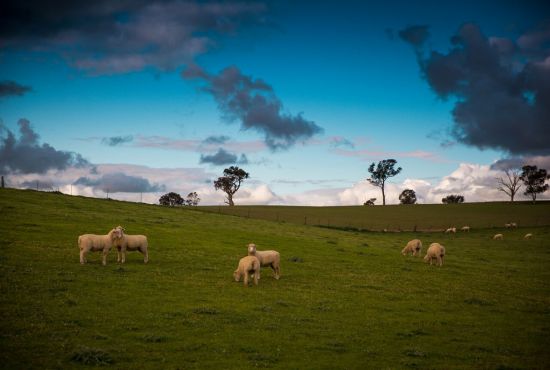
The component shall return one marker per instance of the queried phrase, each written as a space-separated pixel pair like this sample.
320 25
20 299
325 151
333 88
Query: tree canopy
381 172
534 180
230 182
407 196
171 199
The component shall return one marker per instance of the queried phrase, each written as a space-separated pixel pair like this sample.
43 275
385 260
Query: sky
134 99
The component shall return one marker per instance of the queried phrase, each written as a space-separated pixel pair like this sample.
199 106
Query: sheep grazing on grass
451 230
507 226
267 258
513 225
98 243
414 246
528 236
498 237
435 252
131 243
465 228
249 265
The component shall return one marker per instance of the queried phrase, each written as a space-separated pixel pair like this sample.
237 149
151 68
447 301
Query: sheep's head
118 232
236 275
251 248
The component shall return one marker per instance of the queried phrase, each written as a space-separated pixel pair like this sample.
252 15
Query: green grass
346 300
426 217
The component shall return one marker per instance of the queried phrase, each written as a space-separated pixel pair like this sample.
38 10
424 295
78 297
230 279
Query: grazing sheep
414 247
435 252
465 228
267 258
96 243
528 236
507 226
513 225
248 265
498 237
131 243
451 230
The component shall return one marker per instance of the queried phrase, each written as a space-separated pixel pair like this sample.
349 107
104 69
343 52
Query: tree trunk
230 199
383 196
512 197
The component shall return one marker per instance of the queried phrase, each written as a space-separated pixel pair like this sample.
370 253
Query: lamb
414 246
465 228
96 243
249 265
131 243
435 251
528 236
450 230
498 237
267 258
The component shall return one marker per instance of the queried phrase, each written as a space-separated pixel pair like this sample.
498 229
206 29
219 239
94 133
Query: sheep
528 236
465 228
414 246
513 225
507 226
249 265
267 258
435 251
450 230
498 237
96 243
131 243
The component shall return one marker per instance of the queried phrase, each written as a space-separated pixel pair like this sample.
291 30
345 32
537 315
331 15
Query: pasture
345 300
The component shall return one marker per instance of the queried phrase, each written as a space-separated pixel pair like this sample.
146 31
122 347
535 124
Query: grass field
346 300
420 217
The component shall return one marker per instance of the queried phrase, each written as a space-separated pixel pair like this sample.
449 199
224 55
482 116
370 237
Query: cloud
120 183
116 140
415 35
518 162
339 141
223 157
254 103
104 37
12 88
501 88
203 146
220 139
369 155
26 155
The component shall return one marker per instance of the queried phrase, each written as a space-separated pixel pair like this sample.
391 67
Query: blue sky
342 66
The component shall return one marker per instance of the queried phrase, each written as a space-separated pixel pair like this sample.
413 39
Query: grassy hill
346 300
427 217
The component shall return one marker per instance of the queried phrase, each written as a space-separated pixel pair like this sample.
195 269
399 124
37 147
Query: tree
407 196
453 199
534 180
230 182
383 171
171 199
370 202
511 184
192 199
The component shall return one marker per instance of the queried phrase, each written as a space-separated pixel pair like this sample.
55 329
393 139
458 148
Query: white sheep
465 228
267 258
435 252
131 243
498 237
528 236
414 246
249 265
451 230
507 226
98 243
513 225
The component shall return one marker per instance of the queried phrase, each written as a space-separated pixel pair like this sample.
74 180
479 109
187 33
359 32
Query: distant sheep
528 236
249 265
465 228
131 243
435 252
507 226
98 243
513 225
451 230
498 237
267 258
414 246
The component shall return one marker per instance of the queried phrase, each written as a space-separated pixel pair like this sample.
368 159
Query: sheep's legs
255 277
82 256
118 255
105 253
245 280
277 270
145 255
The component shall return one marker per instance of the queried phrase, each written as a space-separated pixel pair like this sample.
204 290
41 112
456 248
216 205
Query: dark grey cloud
500 87
518 162
106 36
120 183
254 103
338 141
26 155
116 140
415 35
12 88
220 139
223 157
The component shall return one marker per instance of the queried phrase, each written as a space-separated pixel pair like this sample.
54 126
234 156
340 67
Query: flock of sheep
250 265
